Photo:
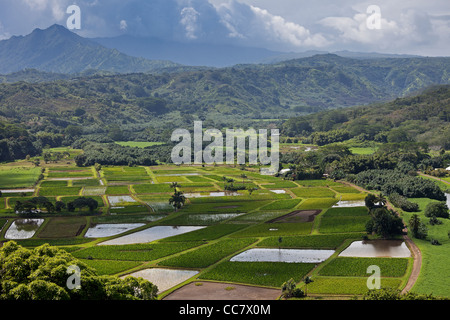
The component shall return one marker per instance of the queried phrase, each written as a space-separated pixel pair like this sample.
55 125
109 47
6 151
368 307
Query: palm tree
307 281
381 199
177 200
175 185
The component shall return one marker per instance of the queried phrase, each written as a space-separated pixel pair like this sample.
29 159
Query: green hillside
421 118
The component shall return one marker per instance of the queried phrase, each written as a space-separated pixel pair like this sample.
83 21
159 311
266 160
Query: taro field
279 230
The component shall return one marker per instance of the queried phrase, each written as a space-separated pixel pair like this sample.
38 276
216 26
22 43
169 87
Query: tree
437 209
396 294
59 206
370 201
417 228
289 290
177 200
41 274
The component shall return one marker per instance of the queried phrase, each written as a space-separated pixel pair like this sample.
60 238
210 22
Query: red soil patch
222 291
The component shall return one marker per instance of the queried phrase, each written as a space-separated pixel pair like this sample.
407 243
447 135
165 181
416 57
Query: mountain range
58 50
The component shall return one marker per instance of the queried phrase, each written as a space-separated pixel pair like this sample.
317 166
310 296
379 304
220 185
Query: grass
435 259
313 192
152 188
136 144
363 151
18 177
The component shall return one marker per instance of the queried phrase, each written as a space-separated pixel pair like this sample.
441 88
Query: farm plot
318 241
109 230
18 177
206 233
346 285
125 175
346 219
105 267
271 274
152 188
275 229
357 267
150 235
200 219
134 252
313 192
60 228
207 255
23 229
282 205
165 279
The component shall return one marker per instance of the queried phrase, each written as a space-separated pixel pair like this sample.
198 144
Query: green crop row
134 252
272 274
331 241
357 267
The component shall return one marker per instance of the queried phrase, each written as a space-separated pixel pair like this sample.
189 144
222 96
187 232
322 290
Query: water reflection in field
23 229
283 255
377 248
150 234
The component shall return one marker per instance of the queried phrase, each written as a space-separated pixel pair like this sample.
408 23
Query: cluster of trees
44 276
403 203
114 154
396 182
384 222
37 205
396 294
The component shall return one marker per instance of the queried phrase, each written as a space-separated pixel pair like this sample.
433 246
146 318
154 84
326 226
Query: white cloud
259 27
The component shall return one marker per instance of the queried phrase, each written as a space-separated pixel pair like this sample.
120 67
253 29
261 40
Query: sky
419 27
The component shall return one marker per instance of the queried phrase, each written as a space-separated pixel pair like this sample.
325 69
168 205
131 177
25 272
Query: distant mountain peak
59 50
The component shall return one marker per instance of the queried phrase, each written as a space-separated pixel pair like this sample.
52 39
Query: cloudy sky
401 26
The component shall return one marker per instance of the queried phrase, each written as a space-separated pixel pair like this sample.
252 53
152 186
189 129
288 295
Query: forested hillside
421 118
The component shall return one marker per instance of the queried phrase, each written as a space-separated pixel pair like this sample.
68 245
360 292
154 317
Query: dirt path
435 178
417 262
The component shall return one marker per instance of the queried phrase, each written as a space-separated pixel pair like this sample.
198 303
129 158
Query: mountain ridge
58 50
